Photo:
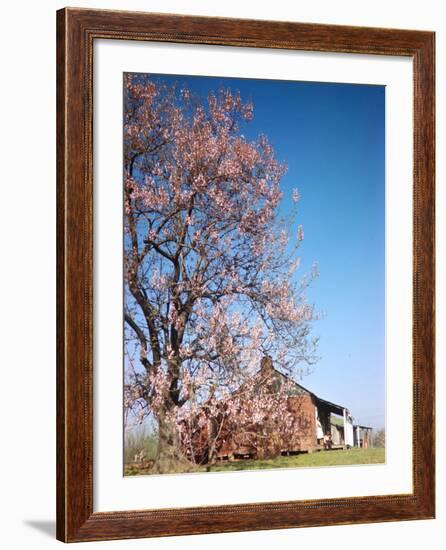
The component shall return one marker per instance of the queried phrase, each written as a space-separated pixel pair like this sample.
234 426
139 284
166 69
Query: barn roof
267 366
336 409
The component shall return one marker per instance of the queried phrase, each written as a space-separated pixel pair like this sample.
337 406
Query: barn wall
305 424
302 436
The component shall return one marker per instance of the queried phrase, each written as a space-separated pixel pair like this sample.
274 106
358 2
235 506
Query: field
322 458
317 459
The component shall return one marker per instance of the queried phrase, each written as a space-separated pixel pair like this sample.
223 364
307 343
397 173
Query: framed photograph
245 275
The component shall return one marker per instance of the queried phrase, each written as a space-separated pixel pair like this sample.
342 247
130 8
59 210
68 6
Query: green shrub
139 440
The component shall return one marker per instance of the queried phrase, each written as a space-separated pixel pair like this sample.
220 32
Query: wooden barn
318 424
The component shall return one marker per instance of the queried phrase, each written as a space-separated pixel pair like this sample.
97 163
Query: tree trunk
212 441
170 458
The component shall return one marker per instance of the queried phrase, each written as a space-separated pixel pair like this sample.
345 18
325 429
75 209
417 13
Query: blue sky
332 139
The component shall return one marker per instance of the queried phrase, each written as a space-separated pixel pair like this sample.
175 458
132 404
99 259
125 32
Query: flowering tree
209 264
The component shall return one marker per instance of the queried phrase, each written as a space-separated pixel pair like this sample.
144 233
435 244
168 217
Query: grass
304 460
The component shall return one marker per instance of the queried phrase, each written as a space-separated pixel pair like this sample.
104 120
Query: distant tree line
379 439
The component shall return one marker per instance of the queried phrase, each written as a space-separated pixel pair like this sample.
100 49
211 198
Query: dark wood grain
76 31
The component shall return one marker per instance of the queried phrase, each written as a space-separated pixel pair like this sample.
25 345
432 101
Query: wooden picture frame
76 31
